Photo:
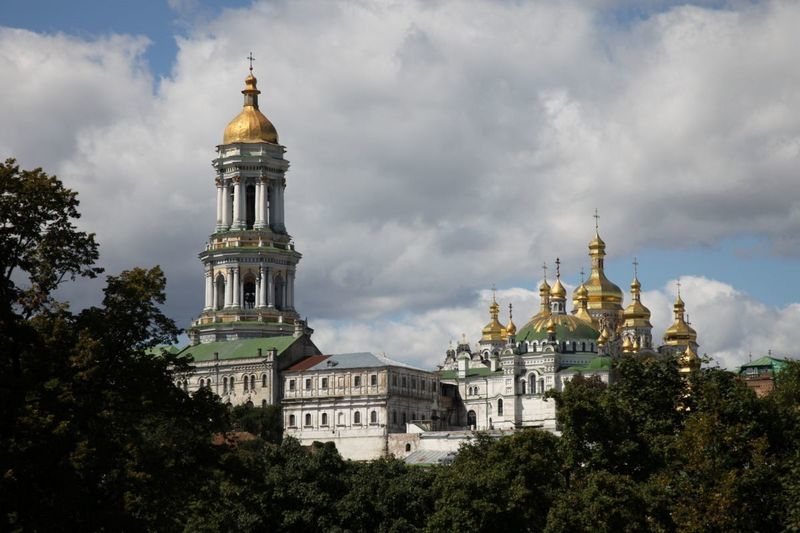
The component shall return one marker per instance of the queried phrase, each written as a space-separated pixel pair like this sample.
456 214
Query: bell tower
250 260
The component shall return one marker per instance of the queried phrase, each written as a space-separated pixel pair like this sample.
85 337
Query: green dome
568 328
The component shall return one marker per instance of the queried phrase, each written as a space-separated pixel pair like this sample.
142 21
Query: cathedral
502 381
251 347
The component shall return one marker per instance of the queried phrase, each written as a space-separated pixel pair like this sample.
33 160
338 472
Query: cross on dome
251 59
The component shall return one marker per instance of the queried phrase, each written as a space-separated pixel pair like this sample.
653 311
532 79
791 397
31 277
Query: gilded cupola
511 328
636 315
603 294
250 126
582 312
494 330
680 332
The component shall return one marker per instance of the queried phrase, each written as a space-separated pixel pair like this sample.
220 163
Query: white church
251 347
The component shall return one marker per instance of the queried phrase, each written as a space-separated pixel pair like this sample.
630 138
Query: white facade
355 401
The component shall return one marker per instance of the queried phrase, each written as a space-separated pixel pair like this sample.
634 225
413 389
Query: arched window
414 417
263 404
591 346
341 419
245 384
573 346
324 419
356 418
583 346
408 446
250 206
253 382
279 287
224 385
472 419
404 418
264 380
523 386
291 421
500 407
308 419
373 417
541 385
249 292
231 383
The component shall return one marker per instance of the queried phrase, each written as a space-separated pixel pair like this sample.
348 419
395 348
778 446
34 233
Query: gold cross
596 220
251 59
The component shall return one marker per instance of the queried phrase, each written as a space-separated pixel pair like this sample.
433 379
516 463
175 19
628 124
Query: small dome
558 291
250 126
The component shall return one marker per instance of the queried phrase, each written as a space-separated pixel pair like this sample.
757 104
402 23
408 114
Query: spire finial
494 293
635 268
582 275
558 268
251 59
510 311
678 284
544 269
596 221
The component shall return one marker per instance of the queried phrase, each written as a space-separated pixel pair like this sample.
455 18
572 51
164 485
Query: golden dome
568 327
679 332
603 294
494 330
511 328
544 287
582 312
636 315
627 345
688 360
250 126
558 290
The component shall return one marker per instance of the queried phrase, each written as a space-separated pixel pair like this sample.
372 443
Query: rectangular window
324 384
357 381
404 382
308 384
291 384
394 381
373 380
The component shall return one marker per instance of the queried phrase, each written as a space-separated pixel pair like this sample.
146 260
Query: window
408 446
224 385
414 383
356 418
308 384
357 381
291 421
324 384
404 418
394 417
231 383
341 419
244 386
404 382
324 419
373 380
263 404
414 417
264 380
472 419
308 419
291 384
373 417
394 381
500 407
253 382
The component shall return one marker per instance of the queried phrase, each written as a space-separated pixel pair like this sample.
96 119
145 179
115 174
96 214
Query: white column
214 295
262 288
270 288
227 208
264 209
229 288
237 290
258 290
208 290
238 223
220 204
257 221
290 290
280 223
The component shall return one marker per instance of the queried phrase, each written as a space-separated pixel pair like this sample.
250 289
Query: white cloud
435 147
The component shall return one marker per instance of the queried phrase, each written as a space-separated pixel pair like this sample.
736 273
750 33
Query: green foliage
264 422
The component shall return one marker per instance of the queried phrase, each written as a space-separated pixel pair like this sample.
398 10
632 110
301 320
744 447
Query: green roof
767 361
471 372
598 363
239 349
579 331
158 350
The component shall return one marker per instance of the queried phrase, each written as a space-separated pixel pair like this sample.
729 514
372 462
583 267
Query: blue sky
680 122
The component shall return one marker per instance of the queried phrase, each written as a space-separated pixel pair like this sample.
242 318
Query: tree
264 422
510 481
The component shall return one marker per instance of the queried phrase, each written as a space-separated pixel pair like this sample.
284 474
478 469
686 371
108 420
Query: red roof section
306 363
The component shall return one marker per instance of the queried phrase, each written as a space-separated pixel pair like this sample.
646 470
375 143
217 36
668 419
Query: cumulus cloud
435 147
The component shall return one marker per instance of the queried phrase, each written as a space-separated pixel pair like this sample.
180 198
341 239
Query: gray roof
430 457
359 360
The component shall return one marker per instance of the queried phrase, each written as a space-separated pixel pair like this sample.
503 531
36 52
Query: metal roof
359 360
430 457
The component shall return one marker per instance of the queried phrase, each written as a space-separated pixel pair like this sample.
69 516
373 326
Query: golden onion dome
494 330
627 345
636 345
688 360
581 292
597 243
511 328
679 332
250 126
558 291
544 287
